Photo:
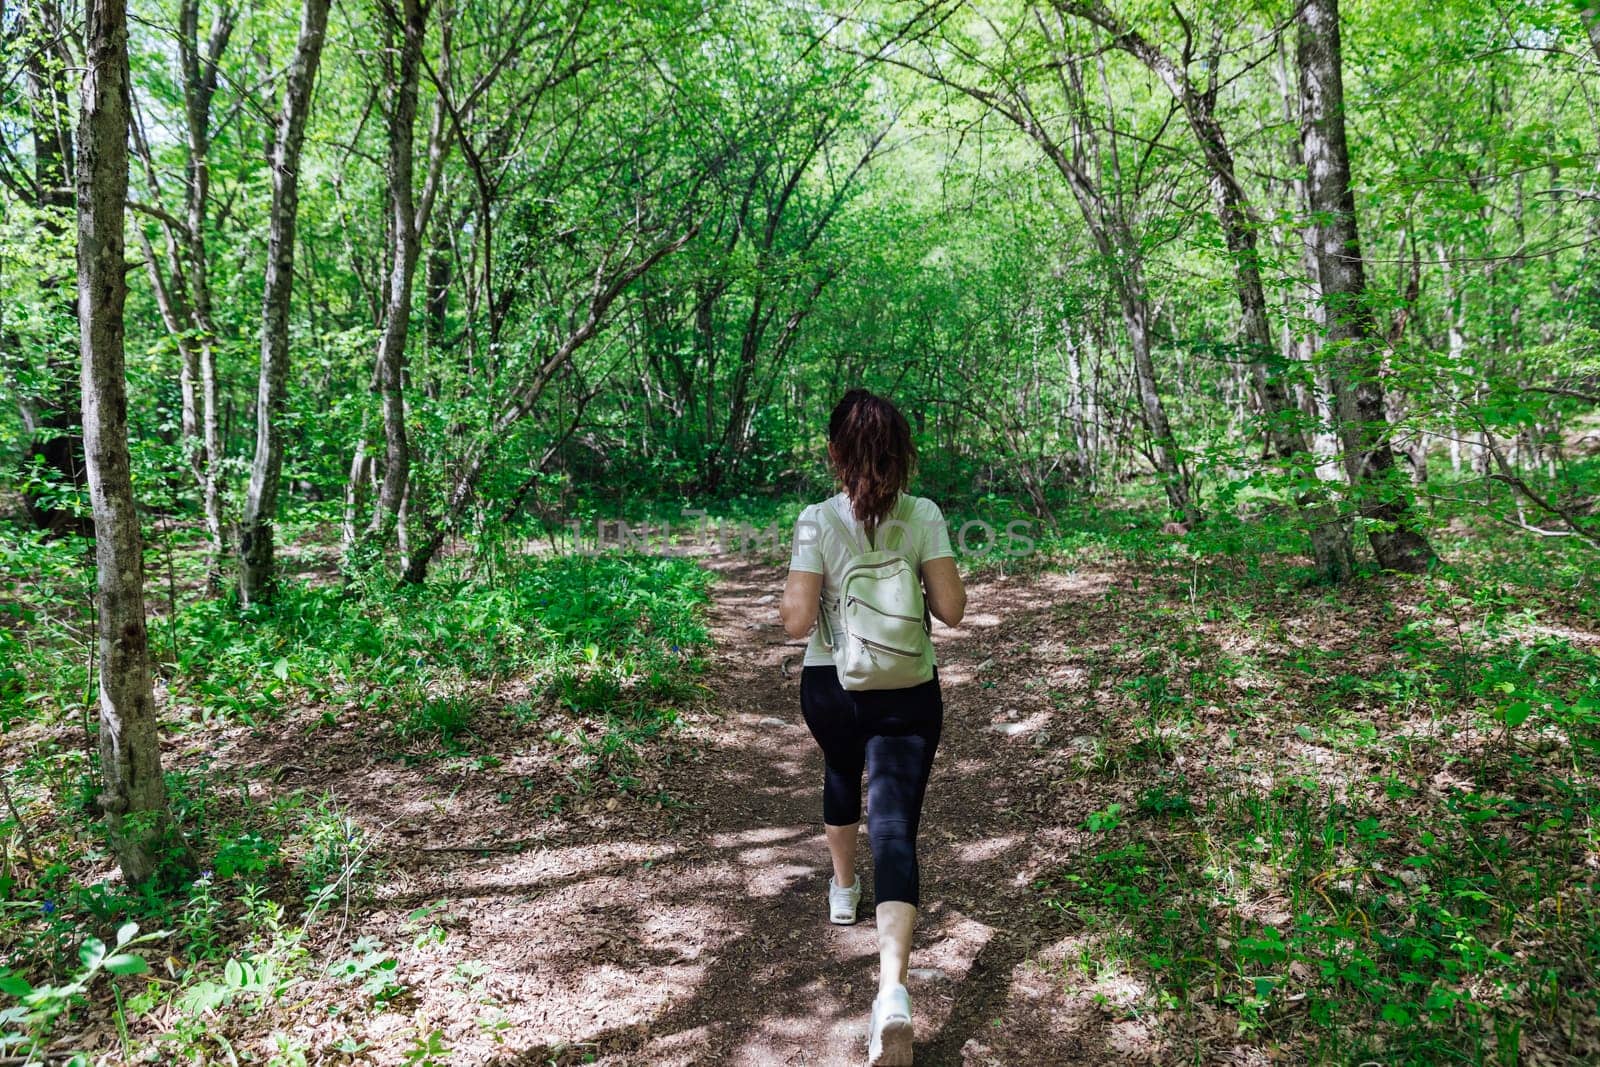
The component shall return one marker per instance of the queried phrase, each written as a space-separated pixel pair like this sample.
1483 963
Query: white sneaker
842 902
890 1043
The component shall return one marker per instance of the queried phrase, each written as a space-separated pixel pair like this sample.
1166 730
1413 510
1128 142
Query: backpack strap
846 534
899 516
896 514
833 519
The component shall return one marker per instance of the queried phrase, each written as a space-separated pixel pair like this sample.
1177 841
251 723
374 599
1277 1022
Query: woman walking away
868 566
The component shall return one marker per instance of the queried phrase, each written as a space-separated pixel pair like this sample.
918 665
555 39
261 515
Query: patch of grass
443 718
1418 944
1385 855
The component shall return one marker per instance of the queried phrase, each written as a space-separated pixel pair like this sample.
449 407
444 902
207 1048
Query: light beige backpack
880 632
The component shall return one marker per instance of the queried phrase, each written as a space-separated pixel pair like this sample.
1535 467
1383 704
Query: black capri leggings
892 734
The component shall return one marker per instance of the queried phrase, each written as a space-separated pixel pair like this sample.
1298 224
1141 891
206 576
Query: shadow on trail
981 997
1146 693
771 981
699 935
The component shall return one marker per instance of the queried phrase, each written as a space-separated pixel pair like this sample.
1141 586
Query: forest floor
1185 809
1143 704
698 934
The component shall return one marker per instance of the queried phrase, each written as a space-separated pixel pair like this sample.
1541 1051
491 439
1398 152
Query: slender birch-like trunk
256 574
200 79
410 18
134 799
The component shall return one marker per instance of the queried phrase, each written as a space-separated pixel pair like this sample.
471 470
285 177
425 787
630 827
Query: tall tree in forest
183 289
261 503
134 799
1091 166
410 19
1353 342
1330 535
48 401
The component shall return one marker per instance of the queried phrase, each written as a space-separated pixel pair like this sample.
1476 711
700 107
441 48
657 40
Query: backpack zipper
885 648
893 615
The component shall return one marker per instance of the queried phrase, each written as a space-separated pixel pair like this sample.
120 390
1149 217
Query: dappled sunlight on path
770 980
698 934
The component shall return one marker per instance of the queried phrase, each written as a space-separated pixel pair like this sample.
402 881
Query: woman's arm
802 594
947 597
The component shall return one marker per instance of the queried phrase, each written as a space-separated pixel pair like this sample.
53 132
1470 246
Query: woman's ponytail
869 442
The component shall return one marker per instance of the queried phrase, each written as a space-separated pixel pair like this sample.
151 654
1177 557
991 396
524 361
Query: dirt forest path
764 978
704 940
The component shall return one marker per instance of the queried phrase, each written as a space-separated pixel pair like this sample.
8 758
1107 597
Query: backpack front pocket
888 614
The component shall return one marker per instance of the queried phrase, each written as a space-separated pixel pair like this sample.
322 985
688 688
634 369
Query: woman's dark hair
870 446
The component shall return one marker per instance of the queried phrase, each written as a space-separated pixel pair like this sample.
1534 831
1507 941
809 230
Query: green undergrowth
602 652
402 653
1356 930
1356 823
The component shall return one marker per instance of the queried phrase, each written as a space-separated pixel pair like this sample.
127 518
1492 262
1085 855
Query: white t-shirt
818 549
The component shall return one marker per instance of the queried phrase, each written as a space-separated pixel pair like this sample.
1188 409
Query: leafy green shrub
312 642
26 1026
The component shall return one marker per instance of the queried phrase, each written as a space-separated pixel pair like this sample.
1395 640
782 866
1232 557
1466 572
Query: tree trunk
256 574
1318 399
51 416
200 77
391 356
1352 340
211 486
1456 340
436 299
172 303
355 489
1169 464
1589 15
1413 444
135 800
